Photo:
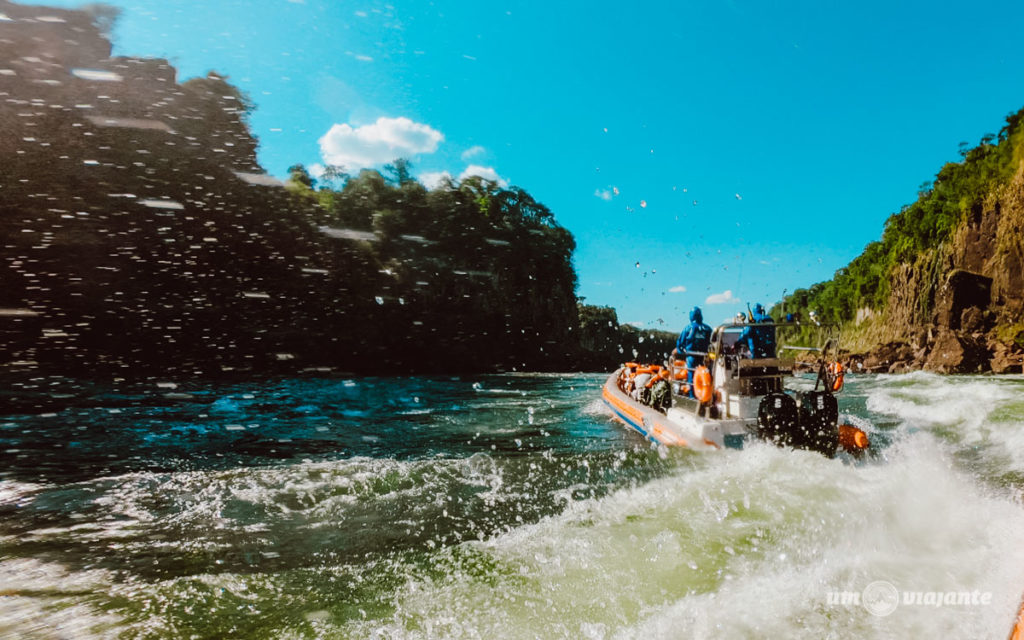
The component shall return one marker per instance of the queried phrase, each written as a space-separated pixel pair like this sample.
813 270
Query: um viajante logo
882 598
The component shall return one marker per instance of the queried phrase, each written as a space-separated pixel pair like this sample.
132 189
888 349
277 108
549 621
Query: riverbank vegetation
141 236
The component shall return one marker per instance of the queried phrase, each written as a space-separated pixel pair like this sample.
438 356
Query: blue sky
712 153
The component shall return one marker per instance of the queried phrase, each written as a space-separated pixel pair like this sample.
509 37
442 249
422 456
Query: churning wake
512 507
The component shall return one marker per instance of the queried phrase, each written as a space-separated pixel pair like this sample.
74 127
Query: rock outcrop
951 352
963 295
946 278
976 319
959 338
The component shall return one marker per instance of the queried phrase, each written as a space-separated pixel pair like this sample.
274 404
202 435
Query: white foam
596 407
932 400
982 414
726 544
60 612
744 544
323 493
18 492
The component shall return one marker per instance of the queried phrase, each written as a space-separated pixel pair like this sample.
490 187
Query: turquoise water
493 507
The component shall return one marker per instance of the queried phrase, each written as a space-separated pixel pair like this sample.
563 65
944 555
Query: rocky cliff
943 288
957 307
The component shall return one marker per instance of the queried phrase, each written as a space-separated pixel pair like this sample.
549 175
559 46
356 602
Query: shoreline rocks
947 352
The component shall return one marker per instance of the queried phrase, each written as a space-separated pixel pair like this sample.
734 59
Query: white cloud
472 151
316 170
487 173
604 194
725 297
677 289
433 179
377 143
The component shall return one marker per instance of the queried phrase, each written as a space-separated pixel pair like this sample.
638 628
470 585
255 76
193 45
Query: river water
507 506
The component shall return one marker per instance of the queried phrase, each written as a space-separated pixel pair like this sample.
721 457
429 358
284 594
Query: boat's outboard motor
818 429
777 419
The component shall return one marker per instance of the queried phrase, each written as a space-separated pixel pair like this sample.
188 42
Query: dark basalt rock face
962 292
958 345
953 353
959 340
947 275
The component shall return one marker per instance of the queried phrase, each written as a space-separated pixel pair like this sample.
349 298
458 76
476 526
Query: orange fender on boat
702 388
852 439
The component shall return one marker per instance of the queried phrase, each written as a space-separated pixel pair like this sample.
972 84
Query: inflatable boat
730 398
1017 633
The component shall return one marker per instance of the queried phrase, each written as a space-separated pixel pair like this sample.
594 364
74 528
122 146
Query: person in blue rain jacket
696 337
760 340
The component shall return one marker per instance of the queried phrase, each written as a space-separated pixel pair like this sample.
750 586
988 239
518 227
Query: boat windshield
793 336
729 335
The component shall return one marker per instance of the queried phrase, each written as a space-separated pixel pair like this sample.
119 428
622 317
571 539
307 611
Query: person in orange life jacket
695 338
760 340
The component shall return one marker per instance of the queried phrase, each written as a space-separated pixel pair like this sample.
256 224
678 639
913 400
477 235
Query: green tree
300 177
333 177
399 172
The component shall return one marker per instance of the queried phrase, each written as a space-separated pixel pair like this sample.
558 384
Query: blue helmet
759 309
696 315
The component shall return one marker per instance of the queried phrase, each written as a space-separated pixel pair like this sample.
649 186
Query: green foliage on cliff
911 234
